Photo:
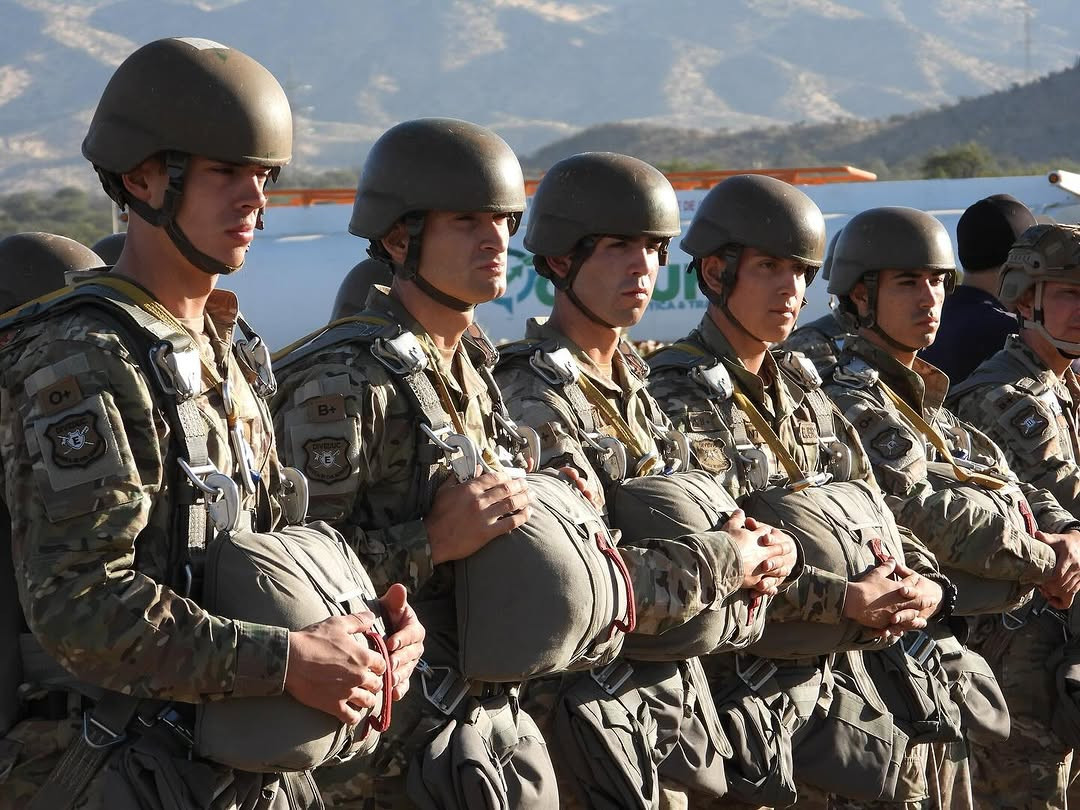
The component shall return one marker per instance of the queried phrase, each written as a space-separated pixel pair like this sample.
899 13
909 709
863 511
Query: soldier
353 293
109 247
37 263
438 199
1025 398
103 514
974 323
946 481
764 428
820 341
599 228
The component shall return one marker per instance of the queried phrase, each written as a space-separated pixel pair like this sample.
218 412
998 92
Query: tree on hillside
68 212
970 159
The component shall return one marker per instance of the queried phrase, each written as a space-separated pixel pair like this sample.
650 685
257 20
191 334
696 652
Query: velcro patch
330 408
808 433
1030 422
79 445
327 459
890 444
59 396
710 455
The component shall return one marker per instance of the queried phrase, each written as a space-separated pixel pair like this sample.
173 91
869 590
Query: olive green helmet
109 247
352 294
33 264
597 194
826 266
434 164
894 238
182 97
600 194
1042 253
754 210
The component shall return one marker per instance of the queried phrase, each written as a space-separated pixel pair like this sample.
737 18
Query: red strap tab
613 554
1029 518
381 721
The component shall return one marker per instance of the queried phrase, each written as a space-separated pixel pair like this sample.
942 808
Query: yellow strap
795 473
623 432
921 425
296 344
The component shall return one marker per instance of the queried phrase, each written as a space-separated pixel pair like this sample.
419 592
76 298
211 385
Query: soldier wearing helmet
122 397
395 419
974 323
33 264
762 425
599 227
980 526
820 341
1027 399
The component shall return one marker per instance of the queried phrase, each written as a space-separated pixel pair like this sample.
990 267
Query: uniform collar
626 379
787 394
923 386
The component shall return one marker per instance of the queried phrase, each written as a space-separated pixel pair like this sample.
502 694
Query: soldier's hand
1064 581
406 642
465 517
879 601
768 555
919 587
579 481
332 669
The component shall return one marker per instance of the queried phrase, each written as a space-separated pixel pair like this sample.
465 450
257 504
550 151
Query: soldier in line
761 424
109 247
352 295
1026 398
974 323
599 227
38 263
944 480
820 341
98 499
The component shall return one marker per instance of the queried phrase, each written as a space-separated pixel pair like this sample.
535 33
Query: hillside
535 70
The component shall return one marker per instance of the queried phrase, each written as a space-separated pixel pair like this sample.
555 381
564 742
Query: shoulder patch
1029 422
59 396
891 444
79 446
327 459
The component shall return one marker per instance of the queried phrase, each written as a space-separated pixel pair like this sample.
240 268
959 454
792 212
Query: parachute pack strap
104 727
795 474
623 432
312 338
821 409
921 425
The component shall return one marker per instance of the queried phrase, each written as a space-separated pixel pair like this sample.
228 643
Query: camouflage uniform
962 534
819 595
820 341
88 457
1032 416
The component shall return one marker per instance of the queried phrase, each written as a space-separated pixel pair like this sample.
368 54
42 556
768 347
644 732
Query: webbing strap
920 425
623 431
103 728
794 472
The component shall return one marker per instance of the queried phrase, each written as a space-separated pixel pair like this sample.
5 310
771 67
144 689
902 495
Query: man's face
464 254
219 206
909 305
1061 310
767 295
616 282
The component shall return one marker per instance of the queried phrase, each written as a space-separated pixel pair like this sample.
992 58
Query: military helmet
33 264
435 164
353 292
1042 253
192 96
826 266
754 210
109 247
600 193
889 238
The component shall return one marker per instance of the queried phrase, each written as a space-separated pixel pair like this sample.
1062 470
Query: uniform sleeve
348 431
81 446
1025 429
956 529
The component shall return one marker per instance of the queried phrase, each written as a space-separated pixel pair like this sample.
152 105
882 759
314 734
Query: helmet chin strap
410 270
870 320
727 283
1070 351
165 217
565 284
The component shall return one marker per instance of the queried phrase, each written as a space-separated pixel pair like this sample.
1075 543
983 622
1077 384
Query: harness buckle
920 647
557 367
757 674
449 693
178 373
611 677
402 354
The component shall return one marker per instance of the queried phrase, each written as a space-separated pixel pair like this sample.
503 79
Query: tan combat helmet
183 97
33 264
433 164
353 292
887 238
595 194
109 247
1042 253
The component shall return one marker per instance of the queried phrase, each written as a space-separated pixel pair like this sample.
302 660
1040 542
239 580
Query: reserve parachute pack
549 596
226 558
